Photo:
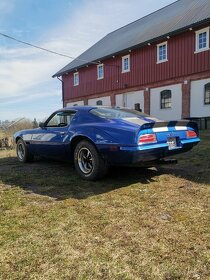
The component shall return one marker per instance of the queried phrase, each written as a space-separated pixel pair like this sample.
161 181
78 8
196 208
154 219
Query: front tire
88 162
23 154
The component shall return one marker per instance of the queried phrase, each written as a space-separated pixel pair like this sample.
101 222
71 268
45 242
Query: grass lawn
134 224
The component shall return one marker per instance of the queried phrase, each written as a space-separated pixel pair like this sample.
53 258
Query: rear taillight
191 134
147 139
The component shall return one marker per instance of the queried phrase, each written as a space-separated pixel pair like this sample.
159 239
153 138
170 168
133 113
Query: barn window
162 52
99 102
202 40
76 79
207 94
126 63
165 99
137 107
100 71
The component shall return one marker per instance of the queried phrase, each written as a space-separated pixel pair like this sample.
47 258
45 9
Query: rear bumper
145 153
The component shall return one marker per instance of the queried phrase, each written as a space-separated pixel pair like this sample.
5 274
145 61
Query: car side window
60 119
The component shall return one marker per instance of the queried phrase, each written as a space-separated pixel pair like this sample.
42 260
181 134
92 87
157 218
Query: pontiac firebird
96 137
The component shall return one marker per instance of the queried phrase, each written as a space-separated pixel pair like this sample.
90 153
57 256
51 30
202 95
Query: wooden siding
182 61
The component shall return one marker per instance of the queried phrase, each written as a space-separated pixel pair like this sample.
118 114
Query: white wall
106 101
197 106
79 103
173 113
130 98
119 100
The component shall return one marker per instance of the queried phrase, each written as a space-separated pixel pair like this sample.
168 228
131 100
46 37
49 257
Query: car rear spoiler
180 123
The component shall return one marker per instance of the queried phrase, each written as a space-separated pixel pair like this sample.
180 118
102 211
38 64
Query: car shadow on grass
60 181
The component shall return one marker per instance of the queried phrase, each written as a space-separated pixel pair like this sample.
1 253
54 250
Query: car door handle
62 133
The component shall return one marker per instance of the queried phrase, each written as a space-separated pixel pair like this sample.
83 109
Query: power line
46 50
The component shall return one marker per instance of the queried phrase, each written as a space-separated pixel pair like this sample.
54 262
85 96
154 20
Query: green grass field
134 224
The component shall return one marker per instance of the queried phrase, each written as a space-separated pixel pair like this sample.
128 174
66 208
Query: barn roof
167 21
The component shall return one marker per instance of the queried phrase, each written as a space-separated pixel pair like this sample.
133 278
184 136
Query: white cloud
21 75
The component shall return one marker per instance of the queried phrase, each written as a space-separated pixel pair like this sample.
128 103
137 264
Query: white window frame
197 33
123 59
158 52
76 80
98 67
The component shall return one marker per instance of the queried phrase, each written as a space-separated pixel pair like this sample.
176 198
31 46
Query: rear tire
88 162
23 153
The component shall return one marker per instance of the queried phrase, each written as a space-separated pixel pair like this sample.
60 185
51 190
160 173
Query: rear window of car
116 113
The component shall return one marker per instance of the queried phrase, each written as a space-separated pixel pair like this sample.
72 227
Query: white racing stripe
163 129
180 128
135 120
160 129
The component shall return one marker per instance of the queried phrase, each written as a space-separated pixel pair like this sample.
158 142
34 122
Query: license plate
171 143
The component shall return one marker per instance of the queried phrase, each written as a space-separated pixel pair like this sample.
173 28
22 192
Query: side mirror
41 125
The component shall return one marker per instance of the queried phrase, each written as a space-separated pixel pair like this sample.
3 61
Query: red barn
159 64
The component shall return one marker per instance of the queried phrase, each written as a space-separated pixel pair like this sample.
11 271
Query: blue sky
27 88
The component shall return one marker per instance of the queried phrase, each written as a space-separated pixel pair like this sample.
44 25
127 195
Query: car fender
93 134
26 135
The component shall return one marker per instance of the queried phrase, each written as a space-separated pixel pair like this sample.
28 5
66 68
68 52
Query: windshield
116 113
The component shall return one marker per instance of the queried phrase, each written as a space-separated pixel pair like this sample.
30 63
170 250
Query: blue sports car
96 137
